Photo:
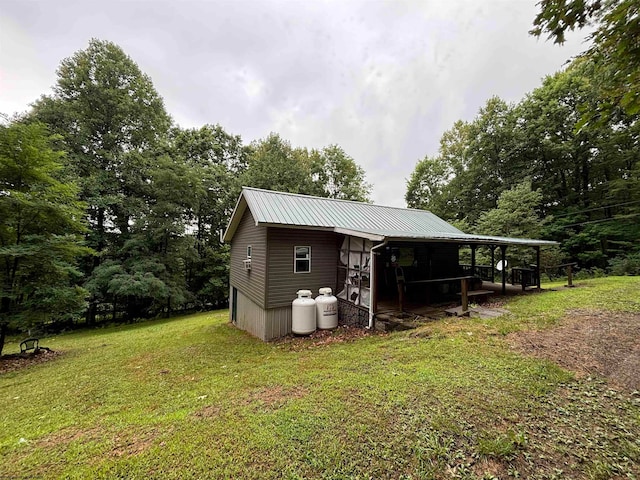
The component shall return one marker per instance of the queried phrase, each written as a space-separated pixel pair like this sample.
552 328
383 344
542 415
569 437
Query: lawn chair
29 344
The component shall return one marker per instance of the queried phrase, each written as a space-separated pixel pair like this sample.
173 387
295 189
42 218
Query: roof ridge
335 199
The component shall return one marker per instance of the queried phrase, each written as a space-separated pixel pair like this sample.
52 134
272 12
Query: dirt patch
123 443
17 361
590 343
276 396
128 446
272 397
210 411
322 338
70 434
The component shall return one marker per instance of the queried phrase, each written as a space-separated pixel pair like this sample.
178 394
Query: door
234 304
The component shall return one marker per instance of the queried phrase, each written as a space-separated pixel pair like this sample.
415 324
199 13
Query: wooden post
473 259
503 251
493 263
570 276
538 267
401 295
465 298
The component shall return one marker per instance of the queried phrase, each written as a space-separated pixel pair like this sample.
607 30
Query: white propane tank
327 309
303 313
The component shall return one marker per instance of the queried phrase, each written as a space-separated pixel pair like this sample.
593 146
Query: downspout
373 291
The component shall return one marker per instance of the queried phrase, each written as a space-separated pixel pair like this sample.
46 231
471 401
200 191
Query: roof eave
355 233
236 216
496 241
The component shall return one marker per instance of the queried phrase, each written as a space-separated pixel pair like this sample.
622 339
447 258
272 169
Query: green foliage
336 175
425 187
39 232
516 214
109 117
275 165
588 176
625 265
157 197
614 48
215 162
501 445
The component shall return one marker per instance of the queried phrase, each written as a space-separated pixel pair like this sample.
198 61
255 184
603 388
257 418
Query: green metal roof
366 220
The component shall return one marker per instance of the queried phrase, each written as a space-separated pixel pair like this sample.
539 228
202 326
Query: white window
302 259
248 252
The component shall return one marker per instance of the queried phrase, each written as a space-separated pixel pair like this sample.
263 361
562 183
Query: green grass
193 397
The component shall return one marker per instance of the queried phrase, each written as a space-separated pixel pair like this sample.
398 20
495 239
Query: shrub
626 265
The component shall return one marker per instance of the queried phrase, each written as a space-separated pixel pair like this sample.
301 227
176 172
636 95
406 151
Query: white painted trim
295 258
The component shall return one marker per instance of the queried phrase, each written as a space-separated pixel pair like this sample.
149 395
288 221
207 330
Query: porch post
473 259
493 263
503 251
373 277
465 298
538 266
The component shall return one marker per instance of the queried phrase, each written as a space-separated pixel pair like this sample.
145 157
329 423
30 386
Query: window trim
296 259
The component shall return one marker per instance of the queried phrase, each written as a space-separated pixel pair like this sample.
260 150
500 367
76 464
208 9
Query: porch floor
415 314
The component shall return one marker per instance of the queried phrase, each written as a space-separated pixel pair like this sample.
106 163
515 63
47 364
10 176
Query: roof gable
288 209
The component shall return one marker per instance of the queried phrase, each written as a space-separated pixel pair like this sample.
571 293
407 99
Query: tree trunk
3 334
100 245
91 313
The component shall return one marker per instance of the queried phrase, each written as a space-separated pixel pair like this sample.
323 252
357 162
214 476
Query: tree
516 215
559 155
615 46
476 162
492 163
274 164
110 117
426 187
218 160
336 175
40 232
586 174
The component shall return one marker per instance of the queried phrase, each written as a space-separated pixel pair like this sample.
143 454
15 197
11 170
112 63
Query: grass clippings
17 361
590 342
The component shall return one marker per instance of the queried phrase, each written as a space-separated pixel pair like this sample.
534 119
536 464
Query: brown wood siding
250 283
251 317
282 283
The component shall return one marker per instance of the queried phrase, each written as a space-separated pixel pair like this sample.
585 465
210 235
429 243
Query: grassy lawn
193 397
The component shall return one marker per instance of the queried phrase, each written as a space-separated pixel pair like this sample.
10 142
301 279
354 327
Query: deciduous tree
109 116
40 232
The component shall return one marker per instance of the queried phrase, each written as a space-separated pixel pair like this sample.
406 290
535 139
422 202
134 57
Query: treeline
564 162
546 167
111 212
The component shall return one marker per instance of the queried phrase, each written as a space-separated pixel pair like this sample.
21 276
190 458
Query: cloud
382 79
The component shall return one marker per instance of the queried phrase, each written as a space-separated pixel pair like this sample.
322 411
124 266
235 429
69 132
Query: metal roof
366 220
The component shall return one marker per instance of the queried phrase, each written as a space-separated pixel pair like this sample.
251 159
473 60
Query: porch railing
481 271
527 277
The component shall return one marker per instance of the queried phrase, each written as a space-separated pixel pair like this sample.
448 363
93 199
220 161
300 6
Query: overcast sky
383 80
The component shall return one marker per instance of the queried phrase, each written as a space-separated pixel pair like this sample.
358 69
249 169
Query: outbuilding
283 242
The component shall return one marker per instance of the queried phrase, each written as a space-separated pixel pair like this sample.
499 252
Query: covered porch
419 276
